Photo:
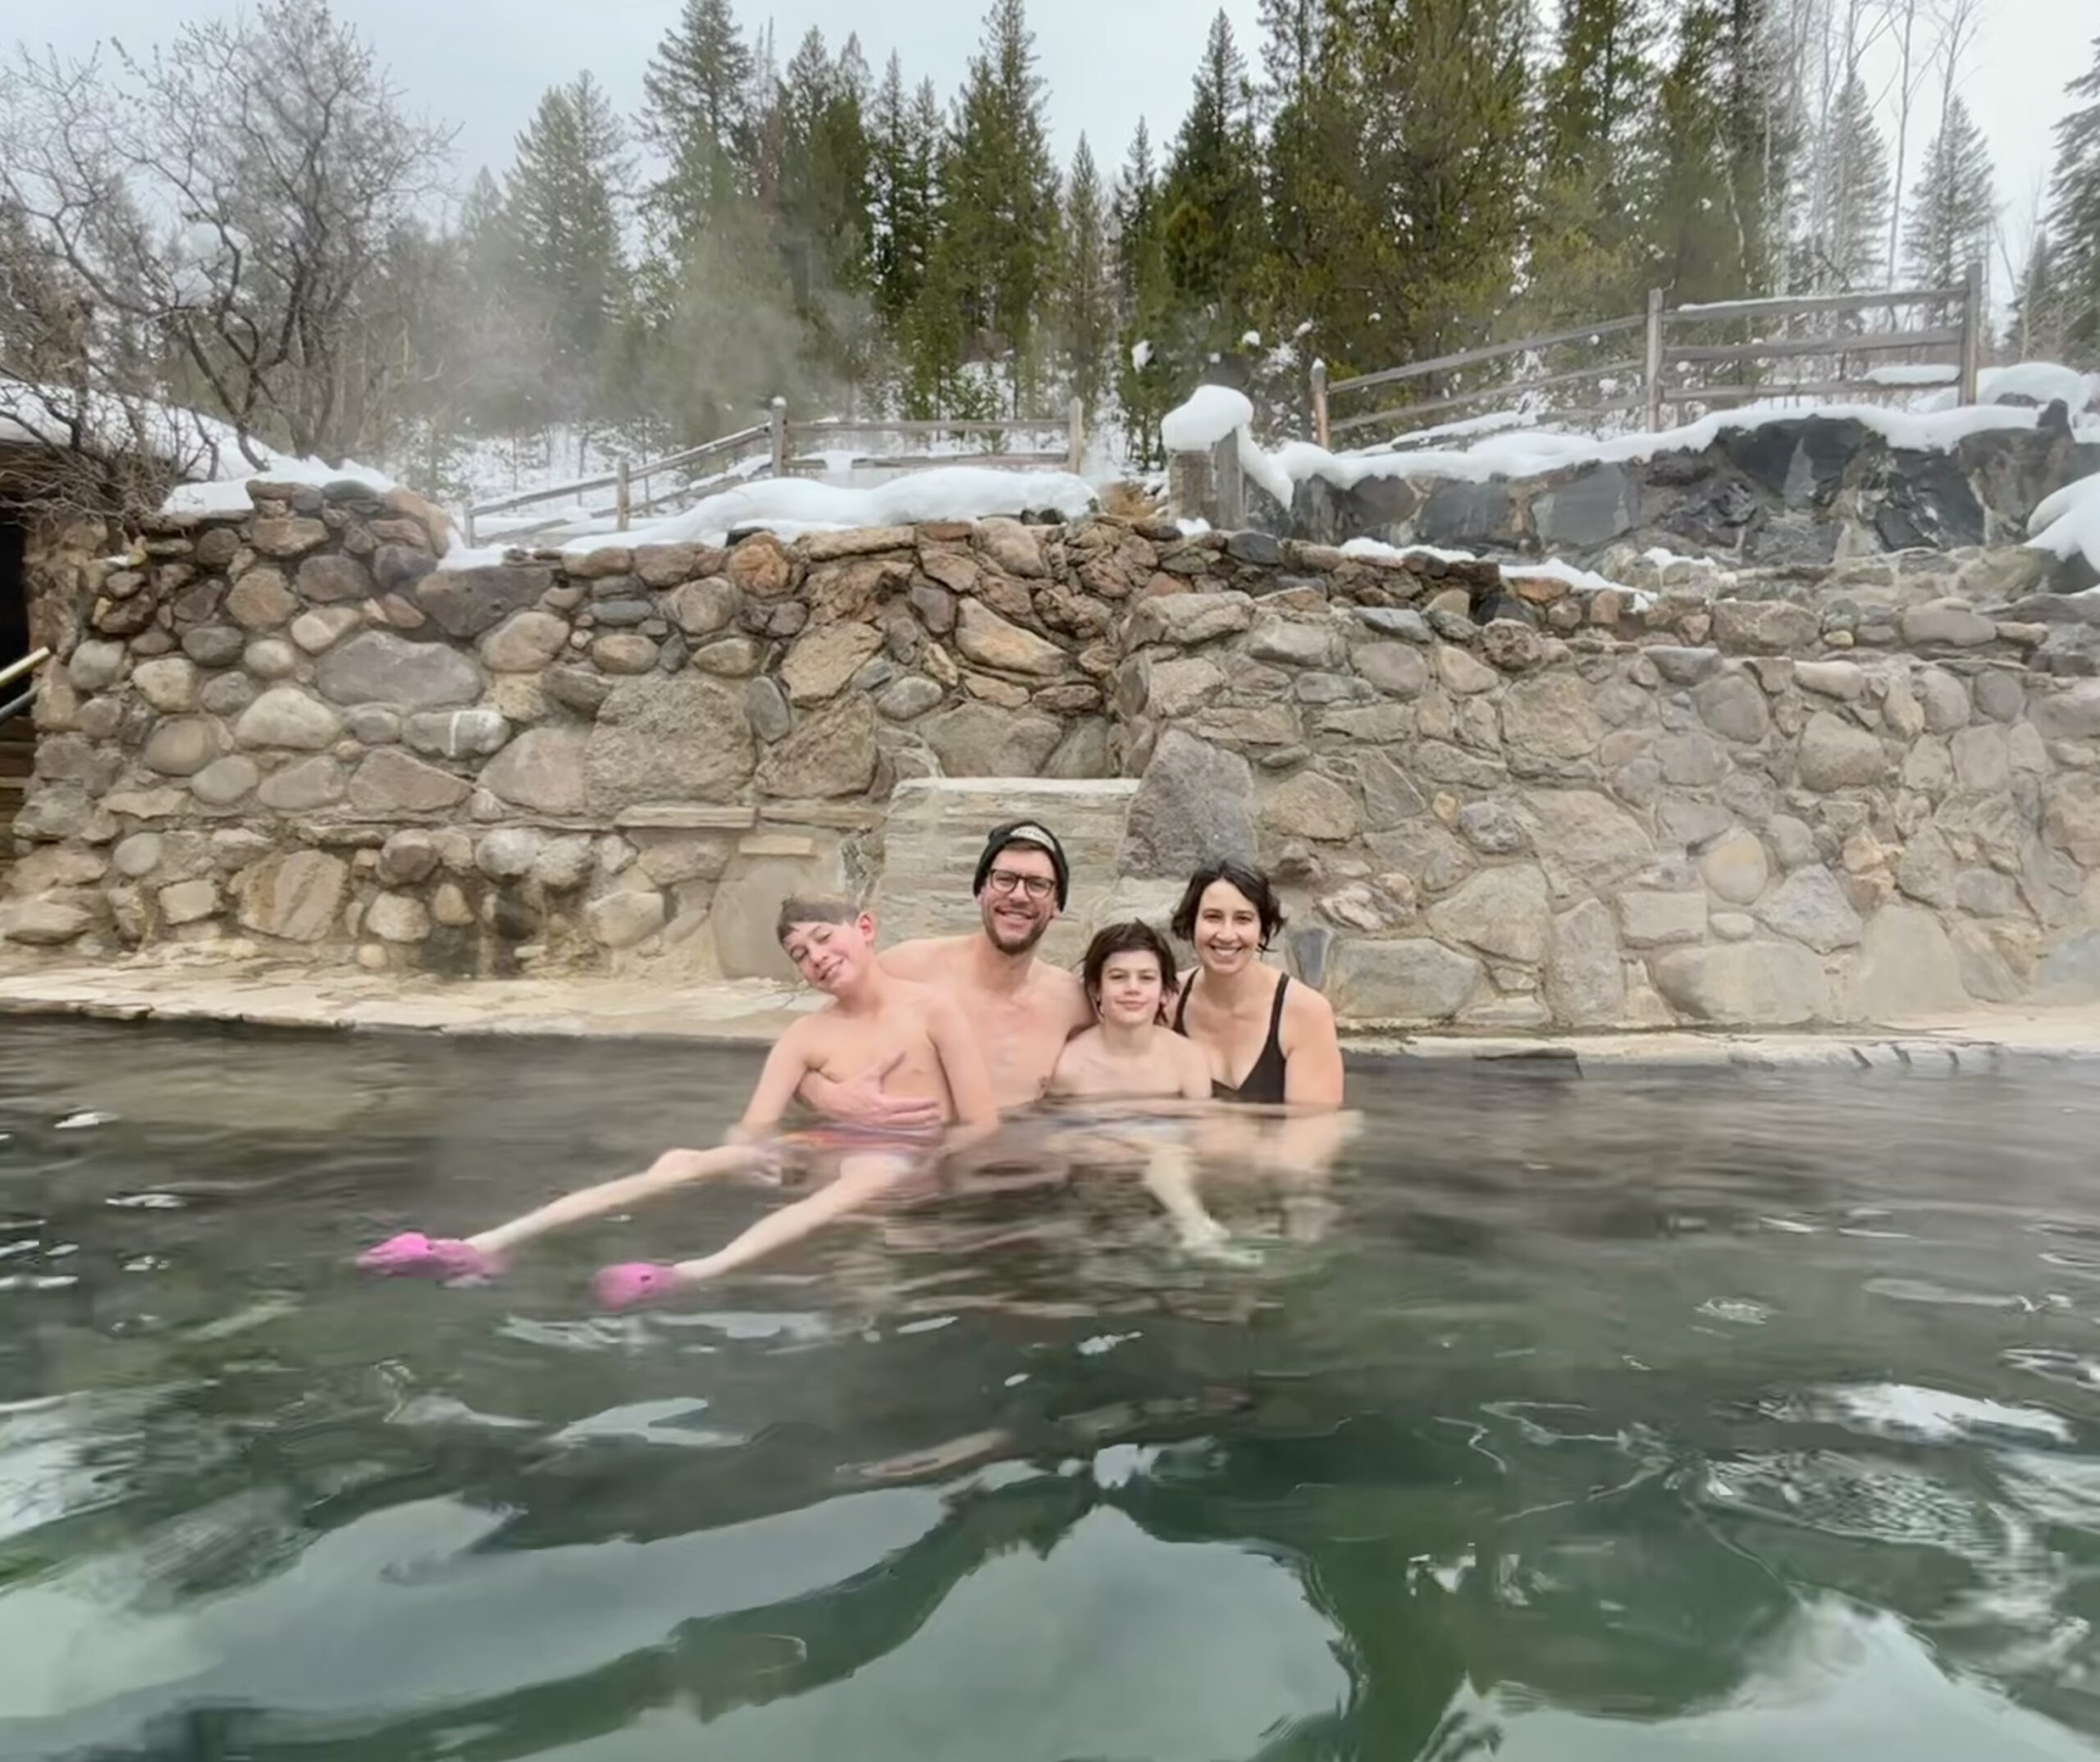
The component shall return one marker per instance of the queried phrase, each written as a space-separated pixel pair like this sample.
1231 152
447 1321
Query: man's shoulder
921 956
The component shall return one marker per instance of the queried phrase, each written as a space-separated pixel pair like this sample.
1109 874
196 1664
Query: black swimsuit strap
1181 1008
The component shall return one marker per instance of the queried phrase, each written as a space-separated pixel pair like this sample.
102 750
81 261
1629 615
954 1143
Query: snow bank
1211 413
229 495
1914 373
789 506
1533 452
2069 522
2044 381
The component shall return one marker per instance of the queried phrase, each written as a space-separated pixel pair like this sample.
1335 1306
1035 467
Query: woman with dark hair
1269 1041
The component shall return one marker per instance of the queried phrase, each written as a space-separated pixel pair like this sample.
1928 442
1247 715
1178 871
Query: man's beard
1006 942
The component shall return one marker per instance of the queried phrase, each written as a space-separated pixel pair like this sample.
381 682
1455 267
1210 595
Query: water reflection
1609 1418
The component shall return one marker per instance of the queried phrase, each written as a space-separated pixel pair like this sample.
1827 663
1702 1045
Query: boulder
1390 796
1746 984
1587 842
1584 976
260 600
542 771
1945 700
1411 981
1459 672
977 740
270 658
822 660
625 652
189 902
457 733
43 923
1551 717
1764 627
1735 868
1194 804
1908 969
297 896
168 684
1311 805
285 716
684 738
390 782
1186 619
1836 754
832 753
183 746
1013 547
1733 707
378 667
1946 624
226 781
1649 919
334 579
1500 911
1394 668
466 603
524 642
316 783
397 918
1810 907
700 609
1843 680
2071 816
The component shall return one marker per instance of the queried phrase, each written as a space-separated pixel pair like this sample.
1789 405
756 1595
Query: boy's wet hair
813 908
1136 937
1251 883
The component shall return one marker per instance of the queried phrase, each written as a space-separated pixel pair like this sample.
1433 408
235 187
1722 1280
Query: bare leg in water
860 1180
455 1257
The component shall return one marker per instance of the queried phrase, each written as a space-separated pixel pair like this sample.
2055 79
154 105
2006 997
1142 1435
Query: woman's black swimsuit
1264 1082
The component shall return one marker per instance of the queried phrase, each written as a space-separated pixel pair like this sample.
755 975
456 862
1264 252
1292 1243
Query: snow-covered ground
2068 522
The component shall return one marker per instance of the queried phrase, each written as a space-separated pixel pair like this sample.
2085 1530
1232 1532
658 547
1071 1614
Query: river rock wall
1805 490
1497 802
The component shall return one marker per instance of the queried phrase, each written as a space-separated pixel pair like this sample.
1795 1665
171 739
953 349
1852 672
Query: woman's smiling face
1228 929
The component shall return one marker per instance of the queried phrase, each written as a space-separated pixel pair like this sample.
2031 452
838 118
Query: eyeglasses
1006 881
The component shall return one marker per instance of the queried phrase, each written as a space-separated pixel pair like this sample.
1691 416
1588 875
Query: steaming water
1622 1417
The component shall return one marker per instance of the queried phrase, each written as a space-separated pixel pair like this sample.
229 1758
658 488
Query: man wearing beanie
1020 1009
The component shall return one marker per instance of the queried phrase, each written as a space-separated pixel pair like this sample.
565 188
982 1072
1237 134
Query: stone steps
936 827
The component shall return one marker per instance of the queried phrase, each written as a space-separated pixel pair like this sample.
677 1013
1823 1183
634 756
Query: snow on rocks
792 506
2068 522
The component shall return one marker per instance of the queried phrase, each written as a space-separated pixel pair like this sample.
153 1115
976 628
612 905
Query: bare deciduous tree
231 208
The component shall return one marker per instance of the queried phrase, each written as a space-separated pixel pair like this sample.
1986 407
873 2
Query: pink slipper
631 1282
414 1255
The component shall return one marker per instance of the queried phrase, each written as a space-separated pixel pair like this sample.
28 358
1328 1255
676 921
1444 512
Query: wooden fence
1625 382
781 447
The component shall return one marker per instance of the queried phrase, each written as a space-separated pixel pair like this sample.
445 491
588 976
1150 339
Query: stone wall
1497 803
1804 490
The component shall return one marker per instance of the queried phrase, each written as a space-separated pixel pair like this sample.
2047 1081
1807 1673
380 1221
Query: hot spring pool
1611 1417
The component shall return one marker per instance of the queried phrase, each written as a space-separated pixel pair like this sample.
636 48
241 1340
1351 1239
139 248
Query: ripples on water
1625 1418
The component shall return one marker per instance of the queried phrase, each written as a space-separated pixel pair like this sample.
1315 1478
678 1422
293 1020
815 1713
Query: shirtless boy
1020 1009
916 1035
1130 1055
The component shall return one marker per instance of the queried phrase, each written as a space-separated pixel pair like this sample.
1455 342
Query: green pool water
1617 1417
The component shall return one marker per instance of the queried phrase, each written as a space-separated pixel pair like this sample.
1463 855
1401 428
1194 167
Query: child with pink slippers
872 1019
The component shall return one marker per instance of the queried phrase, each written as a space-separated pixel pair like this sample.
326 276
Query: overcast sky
482 63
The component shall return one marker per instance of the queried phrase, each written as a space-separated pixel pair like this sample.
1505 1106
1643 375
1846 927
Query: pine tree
1213 191
2075 221
1855 206
1144 381
1585 223
2034 331
1312 275
1086 284
1445 169
899 200
824 192
1953 211
999 198
568 267
1693 245
696 112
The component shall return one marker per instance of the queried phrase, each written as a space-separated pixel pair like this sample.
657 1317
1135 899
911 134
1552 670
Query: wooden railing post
1228 496
1972 333
1652 370
1076 436
1320 430
623 495
777 416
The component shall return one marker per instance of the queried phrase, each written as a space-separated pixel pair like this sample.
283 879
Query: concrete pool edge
754 1012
